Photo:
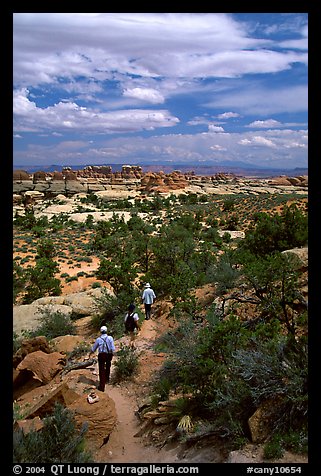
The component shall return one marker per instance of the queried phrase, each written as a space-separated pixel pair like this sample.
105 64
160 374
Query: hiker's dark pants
104 364
148 308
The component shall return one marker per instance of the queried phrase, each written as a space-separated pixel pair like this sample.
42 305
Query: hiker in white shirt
148 298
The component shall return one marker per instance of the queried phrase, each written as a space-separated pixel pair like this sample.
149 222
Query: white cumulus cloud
257 140
213 128
228 115
71 116
145 94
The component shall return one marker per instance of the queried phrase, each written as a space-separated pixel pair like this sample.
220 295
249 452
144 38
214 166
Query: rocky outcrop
114 193
262 422
300 181
67 343
38 402
57 176
19 175
28 316
35 370
84 303
43 366
34 195
46 398
131 180
30 345
39 176
34 424
302 257
162 183
99 417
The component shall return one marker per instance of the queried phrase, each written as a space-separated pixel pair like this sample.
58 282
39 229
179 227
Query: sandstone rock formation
43 366
27 346
131 180
19 175
100 417
84 303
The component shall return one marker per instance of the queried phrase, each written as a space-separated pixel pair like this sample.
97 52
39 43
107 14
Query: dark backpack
130 323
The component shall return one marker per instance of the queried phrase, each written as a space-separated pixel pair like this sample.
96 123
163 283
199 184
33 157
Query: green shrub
273 449
228 205
81 349
71 278
296 441
57 442
96 284
277 232
17 414
126 363
112 310
16 342
224 274
54 324
40 279
19 280
161 389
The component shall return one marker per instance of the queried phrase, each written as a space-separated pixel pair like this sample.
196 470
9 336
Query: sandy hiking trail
125 445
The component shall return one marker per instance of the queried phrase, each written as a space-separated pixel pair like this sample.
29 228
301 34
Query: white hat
103 329
147 285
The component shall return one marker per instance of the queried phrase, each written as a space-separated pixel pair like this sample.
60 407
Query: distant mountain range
236 168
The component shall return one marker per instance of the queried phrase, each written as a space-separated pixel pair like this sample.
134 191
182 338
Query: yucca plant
185 424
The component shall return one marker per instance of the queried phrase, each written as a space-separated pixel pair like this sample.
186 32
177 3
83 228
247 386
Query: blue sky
135 88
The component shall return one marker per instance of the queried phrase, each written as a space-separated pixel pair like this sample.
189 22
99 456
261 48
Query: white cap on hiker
147 285
103 329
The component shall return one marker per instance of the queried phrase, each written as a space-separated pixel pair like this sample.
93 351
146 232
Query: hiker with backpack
106 348
131 322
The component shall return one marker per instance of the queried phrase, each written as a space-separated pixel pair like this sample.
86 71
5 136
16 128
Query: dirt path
124 445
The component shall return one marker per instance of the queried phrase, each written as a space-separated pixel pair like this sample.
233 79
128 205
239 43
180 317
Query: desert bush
273 448
232 222
274 280
40 279
228 205
57 442
16 342
277 367
112 310
277 232
224 274
229 369
19 280
25 222
160 390
198 366
54 324
296 441
120 274
96 284
71 278
80 350
126 363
